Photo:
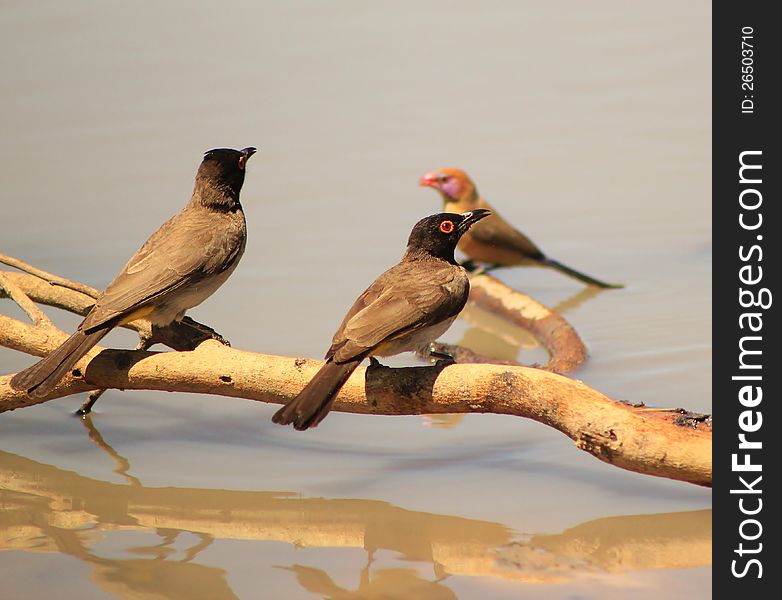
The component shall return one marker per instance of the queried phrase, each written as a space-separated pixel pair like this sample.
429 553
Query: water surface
587 126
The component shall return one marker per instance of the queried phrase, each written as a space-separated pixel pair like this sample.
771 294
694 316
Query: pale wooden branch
48 277
644 440
566 350
179 336
9 287
557 336
640 440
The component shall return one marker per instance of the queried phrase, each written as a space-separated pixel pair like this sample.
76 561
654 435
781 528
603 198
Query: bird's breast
414 340
172 307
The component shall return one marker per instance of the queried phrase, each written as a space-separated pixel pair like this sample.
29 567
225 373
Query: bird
494 242
177 268
407 307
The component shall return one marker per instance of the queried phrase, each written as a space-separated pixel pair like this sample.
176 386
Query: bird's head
222 170
437 235
453 184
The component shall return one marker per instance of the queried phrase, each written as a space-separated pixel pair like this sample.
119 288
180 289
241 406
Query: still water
587 125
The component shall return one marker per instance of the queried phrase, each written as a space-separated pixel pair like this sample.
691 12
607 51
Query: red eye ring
447 227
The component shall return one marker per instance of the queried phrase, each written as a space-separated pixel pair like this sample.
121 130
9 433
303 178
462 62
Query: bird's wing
401 300
182 251
496 231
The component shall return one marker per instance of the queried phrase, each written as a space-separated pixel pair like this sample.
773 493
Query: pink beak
428 180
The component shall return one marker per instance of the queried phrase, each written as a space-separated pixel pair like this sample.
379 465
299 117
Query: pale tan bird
493 242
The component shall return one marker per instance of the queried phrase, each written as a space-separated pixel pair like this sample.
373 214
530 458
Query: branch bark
566 350
48 277
655 442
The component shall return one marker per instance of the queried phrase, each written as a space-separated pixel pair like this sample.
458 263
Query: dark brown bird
407 307
177 268
494 242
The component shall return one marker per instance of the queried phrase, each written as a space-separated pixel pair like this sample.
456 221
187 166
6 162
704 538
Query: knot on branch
604 446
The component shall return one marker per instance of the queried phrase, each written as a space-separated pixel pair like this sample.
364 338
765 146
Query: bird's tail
555 264
314 402
43 376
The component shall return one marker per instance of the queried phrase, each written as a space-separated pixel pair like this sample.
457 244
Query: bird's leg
146 338
442 359
205 330
86 407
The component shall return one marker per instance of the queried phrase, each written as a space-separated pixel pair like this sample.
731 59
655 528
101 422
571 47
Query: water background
587 125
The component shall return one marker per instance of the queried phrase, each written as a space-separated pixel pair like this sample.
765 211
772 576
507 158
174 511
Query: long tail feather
41 378
555 264
314 402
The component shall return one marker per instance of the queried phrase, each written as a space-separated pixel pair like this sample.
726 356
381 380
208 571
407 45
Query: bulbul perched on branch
177 268
408 306
495 242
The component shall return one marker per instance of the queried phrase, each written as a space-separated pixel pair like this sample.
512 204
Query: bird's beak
471 218
428 180
246 154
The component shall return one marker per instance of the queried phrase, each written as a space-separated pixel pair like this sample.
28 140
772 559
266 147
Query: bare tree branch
566 350
564 345
655 442
37 316
52 279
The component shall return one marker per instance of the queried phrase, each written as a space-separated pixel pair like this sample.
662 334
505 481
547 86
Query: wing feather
405 298
184 250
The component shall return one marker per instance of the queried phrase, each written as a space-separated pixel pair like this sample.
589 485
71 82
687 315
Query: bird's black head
221 175
438 234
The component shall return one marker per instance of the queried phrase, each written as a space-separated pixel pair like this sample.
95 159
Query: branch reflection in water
46 509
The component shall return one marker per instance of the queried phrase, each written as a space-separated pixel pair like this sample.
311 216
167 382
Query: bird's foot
205 330
441 359
441 363
376 364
